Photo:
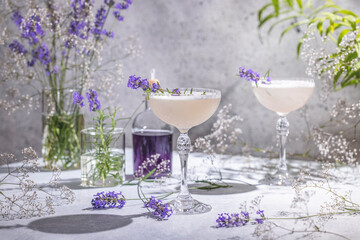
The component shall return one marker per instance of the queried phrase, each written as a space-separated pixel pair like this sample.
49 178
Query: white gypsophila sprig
25 199
342 145
324 64
315 57
224 133
154 162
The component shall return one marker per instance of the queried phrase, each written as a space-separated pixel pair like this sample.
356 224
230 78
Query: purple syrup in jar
148 143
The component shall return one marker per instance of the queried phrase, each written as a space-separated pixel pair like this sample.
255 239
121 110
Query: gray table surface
80 221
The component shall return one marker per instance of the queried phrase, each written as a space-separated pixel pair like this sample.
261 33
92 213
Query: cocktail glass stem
184 203
183 146
282 128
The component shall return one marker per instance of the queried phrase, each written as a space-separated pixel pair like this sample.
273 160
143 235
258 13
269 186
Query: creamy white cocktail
185 110
283 97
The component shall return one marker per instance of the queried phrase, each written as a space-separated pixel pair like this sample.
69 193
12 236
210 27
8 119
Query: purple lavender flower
232 220
109 34
160 210
42 54
79 26
32 29
31 63
144 84
134 82
99 21
121 6
94 103
17 19
155 87
229 220
109 199
262 215
78 99
17 47
246 217
76 28
118 16
249 74
175 92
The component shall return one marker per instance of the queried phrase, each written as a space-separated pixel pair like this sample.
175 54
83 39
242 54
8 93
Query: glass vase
152 138
103 157
62 123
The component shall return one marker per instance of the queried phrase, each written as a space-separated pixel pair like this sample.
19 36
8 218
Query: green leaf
290 3
319 27
276 7
330 28
341 35
355 81
298 48
292 26
148 175
262 10
280 21
353 25
267 18
299 2
336 78
323 7
346 12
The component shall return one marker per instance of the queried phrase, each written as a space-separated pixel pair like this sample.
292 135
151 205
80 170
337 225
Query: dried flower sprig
224 133
28 199
155 206
342 146
109 199
154 162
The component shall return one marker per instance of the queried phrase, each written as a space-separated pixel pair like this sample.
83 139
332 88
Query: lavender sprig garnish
251 75
160 210
145 84
151 85
236 220
109 199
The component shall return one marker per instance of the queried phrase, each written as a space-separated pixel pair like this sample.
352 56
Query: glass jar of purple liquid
152 145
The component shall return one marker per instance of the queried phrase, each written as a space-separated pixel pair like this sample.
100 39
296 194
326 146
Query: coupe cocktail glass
283 96
185 111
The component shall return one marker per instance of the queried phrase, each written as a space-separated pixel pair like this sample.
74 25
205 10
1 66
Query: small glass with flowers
102 146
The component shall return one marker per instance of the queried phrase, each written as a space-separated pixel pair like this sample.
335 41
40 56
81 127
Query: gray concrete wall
200 43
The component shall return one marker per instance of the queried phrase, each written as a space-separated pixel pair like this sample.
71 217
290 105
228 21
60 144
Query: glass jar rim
107 130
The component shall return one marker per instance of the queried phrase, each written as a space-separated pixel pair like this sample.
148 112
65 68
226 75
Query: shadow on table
75 183
80 223
234 189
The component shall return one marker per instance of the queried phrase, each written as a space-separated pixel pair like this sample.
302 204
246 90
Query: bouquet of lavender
56 49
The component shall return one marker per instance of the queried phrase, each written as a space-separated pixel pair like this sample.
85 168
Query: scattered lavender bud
160 210
109 199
